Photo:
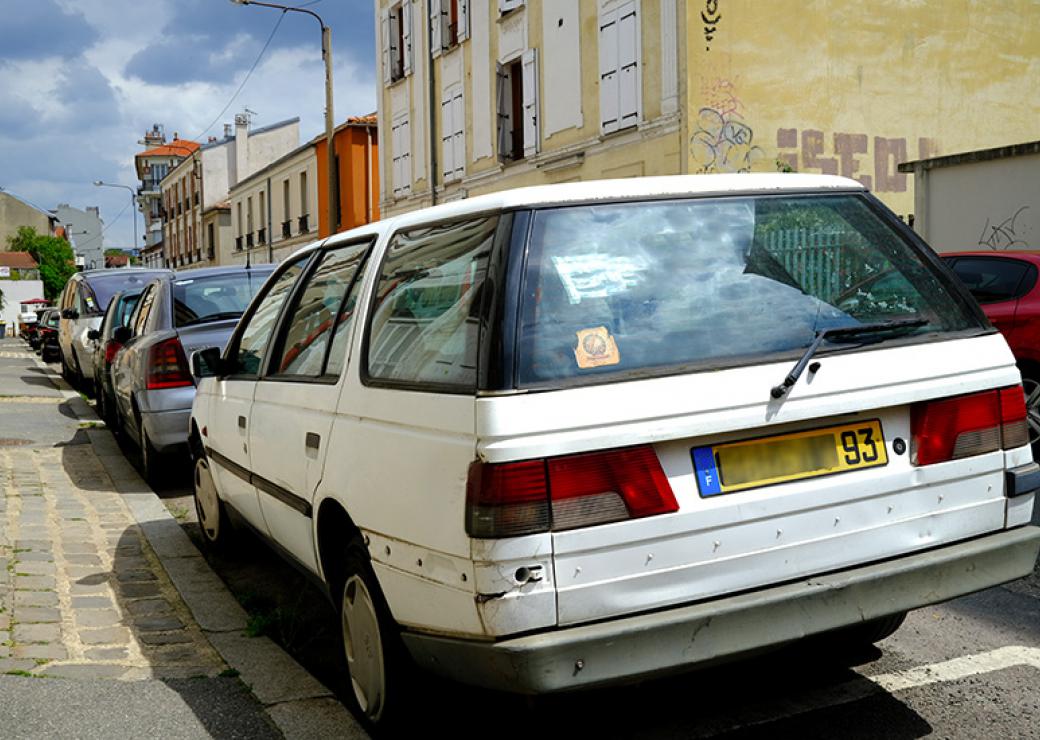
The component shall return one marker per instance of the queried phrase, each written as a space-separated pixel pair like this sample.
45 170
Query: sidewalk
99 583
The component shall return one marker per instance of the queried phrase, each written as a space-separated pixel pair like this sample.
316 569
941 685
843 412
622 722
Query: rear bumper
167 430
698 634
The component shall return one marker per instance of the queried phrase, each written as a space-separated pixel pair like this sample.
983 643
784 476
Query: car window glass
424 326
309 326
140 315
215 297
249 352
991 279
344 324
125 308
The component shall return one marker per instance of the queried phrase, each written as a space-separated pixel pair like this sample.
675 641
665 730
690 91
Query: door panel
228 446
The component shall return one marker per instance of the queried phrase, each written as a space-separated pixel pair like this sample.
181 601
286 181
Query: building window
238 218
304 205
286 204
249 220
505 6
400 142
620 88
263 213
396 28
450 24
518 108
453 134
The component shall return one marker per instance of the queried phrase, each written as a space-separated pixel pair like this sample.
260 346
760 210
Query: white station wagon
565 436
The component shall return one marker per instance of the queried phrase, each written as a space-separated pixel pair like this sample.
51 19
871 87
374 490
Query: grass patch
180 513
42 661
19 672
92 425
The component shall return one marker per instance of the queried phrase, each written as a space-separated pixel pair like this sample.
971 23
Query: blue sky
82 80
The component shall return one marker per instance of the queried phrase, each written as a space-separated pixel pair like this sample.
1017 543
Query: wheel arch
333 529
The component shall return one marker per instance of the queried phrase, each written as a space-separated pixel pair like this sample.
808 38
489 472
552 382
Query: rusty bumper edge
666 641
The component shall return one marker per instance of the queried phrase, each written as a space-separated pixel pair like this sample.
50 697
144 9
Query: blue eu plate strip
707 473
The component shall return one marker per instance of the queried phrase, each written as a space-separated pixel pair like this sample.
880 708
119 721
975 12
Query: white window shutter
395 24
406 26
384 25
504 6
629 77
458 117
447 134
463 20
505 109
395 145
608 72
530 85
406 164
435 27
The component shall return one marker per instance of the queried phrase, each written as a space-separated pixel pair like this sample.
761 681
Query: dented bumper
697 634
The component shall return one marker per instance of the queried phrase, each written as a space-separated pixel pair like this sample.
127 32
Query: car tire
214 522
1031 389
379 668
855 637
151 459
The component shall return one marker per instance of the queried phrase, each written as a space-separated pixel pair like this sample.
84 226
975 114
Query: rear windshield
102 288
215 297
653 288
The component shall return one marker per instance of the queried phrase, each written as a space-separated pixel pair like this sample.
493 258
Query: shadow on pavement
44 381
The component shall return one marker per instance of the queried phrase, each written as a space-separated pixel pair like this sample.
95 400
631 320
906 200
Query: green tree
53 254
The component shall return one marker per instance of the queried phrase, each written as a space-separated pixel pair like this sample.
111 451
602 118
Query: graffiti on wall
722 142
874 162
1003 235
711 17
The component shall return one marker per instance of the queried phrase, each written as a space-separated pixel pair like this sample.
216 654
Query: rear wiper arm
779 391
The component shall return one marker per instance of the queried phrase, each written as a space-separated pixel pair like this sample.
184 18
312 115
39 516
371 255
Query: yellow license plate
752 463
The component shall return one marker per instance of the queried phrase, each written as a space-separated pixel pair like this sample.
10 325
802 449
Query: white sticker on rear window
597 275
183 282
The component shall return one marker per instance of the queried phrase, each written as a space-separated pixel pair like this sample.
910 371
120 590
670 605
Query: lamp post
133 201
326 53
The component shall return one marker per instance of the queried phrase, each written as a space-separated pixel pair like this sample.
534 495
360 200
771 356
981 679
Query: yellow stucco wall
854 88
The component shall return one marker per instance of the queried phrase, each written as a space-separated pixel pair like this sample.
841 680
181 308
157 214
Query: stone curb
297 703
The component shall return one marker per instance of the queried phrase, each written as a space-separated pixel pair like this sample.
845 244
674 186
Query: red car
1005 285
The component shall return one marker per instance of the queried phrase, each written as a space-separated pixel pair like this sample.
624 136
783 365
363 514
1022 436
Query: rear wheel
213 518
151 459
1031 388
855 637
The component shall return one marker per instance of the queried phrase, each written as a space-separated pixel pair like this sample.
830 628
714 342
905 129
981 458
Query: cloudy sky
82 80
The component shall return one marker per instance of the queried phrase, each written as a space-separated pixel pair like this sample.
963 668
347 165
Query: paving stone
78 572
97 617
16 665
271 673
91 602
105 636
35 598
36 633
40 652
106 653
80 589
149 608
31 545
83 559
34 583
130 563
157 624
176 653
163 638
36 614
36 569
34 557
137 590
135 576
91 670
78 547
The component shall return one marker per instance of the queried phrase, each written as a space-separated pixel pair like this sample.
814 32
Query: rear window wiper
839 332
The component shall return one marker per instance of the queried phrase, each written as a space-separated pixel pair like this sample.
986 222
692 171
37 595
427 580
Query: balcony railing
286 229
303 224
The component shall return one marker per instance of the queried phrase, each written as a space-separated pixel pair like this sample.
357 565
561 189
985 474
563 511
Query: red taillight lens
508 499
962 426
167 366
112 348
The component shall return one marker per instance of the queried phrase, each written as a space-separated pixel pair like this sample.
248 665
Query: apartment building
505 93
195 193
152 165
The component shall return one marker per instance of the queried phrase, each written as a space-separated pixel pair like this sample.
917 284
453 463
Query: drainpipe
433 114
368 174
270 234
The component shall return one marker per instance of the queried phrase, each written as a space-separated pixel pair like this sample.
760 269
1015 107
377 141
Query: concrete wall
89 245
15 213
14 292
992 204
854 88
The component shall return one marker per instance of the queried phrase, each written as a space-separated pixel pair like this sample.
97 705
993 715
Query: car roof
85 274
201 272
1029 255
591 191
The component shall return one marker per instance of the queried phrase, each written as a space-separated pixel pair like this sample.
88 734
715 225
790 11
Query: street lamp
326 53
133 201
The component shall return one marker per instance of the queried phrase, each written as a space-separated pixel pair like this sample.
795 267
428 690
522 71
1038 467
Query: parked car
177 313
46 335
82 304
580 434
1005 285
106 347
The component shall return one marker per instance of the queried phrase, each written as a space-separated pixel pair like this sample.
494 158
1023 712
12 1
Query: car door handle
241 422
313 441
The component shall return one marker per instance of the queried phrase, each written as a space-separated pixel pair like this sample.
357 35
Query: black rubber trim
1022 480
284 495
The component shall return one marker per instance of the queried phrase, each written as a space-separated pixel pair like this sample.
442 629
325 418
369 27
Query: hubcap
1032 392
364 647
206 501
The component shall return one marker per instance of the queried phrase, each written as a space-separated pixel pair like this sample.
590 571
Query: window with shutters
450 25
517 105
505 6
401 148
453 134
620 88
396 31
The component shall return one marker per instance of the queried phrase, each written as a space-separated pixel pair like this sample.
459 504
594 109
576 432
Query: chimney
241 147
227 131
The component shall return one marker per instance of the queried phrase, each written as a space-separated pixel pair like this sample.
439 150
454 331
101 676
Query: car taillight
112 347
167 366
509 499
951 428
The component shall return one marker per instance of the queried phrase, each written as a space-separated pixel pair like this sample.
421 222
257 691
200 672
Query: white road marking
958 668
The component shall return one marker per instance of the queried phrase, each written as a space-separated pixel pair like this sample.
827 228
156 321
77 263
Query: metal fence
820 261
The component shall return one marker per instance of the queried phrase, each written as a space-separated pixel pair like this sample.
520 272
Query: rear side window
249 352
215 297
995 279
98 290
424 324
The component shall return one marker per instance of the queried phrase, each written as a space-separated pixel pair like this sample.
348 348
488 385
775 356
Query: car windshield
102 288
646 288
215 297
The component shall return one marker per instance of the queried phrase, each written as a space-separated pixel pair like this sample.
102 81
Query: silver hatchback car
152 385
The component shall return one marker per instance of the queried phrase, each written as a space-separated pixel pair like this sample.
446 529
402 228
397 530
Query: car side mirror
70 313
122 334
207 363
93 335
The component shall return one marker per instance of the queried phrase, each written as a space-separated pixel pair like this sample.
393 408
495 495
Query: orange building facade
356 143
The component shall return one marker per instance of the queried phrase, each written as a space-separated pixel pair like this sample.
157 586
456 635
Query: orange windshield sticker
596 348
